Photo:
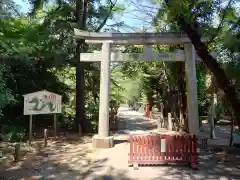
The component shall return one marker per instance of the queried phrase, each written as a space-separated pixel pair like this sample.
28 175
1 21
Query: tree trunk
212 64
182 93
80 111
231 132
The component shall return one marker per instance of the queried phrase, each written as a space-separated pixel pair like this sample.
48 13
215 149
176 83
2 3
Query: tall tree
81 15
187 14
87 16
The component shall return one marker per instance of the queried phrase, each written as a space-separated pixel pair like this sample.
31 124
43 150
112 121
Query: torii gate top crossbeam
131 38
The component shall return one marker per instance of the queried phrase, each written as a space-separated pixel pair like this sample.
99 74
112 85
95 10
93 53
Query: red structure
147 110
163 149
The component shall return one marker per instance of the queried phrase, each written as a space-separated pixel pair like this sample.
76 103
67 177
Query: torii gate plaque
102 139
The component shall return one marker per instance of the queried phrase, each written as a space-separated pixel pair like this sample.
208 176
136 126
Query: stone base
102 142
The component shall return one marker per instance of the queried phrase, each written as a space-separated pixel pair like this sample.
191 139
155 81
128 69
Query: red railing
163 149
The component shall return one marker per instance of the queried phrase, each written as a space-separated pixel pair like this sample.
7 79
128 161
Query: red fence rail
163 149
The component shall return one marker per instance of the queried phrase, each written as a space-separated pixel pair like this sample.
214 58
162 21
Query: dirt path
114 161
61 160
78 161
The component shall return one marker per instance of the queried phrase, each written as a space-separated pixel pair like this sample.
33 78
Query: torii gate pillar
191 81
102 139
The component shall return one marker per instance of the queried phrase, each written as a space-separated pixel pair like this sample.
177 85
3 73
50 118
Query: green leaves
6 96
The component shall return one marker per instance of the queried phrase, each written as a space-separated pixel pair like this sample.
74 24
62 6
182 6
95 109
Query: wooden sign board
42 102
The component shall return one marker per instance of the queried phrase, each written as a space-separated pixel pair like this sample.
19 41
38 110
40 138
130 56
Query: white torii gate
147 55
103 140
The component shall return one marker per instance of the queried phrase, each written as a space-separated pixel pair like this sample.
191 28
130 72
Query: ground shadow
61 161
120 141
210 168
72 159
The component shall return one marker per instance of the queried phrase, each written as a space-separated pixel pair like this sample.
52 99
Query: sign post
42 102
30 130
55 125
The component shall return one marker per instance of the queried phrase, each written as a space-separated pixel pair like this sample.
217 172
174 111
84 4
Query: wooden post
55 126
181 119
161 116
169 121
17 152
79 130
45 137
147 110
159 122
30 130
213 113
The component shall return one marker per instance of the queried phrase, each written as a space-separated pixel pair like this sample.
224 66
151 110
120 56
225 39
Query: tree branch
211 63
221 22
108 15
